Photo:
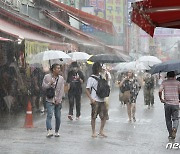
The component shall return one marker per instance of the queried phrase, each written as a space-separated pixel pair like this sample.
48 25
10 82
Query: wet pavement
147 135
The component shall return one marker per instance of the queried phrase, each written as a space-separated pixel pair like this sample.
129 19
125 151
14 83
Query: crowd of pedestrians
56 80
129 84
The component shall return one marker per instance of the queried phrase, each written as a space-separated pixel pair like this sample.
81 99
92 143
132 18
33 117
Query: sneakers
49 133
56 134
134 119
174 130
70 117
77 118
170 137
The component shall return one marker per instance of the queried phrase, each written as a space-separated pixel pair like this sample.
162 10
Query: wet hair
96 68
132 72
171 74
74 64
54 66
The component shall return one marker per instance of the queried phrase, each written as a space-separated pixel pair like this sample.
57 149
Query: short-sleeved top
149 81
171 90
92 85
75 84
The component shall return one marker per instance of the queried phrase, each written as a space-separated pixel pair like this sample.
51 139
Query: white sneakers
50 134
56 134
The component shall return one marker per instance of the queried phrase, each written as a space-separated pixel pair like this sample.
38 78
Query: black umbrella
171 65
106 58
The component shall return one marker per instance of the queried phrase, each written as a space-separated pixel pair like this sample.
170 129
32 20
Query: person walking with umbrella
54 98
130 88
171 89
149 89
75 79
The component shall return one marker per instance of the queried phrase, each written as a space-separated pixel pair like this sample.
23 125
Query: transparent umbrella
79 56
50 55
149 61
134 65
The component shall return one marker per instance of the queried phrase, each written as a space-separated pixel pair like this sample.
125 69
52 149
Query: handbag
66 88
50 92
126 96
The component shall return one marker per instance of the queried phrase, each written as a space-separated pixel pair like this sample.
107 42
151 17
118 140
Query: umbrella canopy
50 55
149 61
171 65
119 66
149 14
134 65
79 56
106 58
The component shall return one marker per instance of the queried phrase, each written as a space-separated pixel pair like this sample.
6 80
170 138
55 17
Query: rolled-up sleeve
59 90
47 82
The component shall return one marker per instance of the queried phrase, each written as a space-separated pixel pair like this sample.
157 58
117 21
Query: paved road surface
147 135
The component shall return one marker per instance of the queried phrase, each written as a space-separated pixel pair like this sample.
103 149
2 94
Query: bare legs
131 110
93 123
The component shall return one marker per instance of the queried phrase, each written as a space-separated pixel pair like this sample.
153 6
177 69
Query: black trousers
73 97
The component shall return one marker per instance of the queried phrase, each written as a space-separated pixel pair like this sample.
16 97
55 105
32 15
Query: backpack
103 89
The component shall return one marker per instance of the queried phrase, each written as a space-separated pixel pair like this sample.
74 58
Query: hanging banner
34 47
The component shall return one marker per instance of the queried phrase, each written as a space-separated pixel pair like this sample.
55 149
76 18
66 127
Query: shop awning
81 39
96 22
149 14
74 30
4 39
20 32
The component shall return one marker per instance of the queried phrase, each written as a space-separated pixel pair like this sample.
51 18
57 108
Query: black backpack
103 89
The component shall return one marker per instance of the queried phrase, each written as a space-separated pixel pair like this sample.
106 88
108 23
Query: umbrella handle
50 64
159 74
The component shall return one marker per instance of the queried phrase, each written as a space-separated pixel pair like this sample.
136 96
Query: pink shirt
59 92
171 88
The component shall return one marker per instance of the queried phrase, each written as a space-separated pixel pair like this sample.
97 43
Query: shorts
99 108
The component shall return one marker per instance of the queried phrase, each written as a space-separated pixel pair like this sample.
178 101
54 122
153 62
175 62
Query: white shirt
92 83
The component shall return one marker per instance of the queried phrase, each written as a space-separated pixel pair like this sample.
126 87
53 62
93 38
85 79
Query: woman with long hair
130 88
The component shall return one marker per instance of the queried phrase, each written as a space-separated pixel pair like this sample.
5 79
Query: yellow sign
34 47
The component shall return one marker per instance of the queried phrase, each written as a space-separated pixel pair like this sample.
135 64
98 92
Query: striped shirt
171 89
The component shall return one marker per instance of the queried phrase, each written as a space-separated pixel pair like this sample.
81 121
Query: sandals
70 117
102 135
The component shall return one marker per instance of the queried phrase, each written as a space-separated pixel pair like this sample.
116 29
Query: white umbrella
79 56
50 55
119 66
149 61
134 65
